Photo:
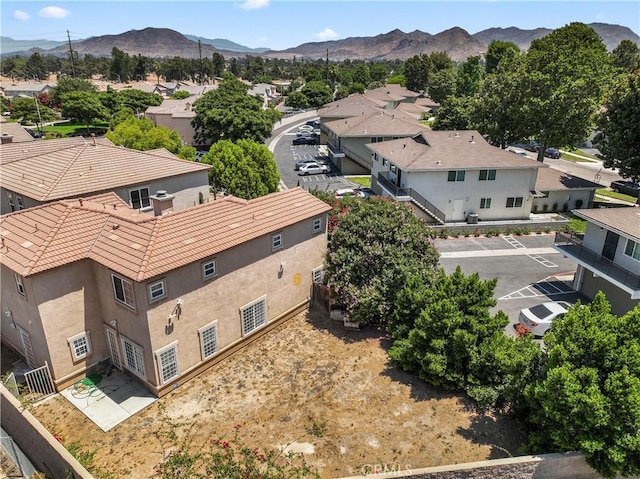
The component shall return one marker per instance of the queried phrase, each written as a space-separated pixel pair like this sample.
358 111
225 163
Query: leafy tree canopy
496 51
317 93
229 113
68 85
619 125
83 106
375 246
588 395
456 114
626 56
142 134
27 111
245 169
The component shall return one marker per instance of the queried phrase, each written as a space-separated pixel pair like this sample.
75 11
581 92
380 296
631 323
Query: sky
281 24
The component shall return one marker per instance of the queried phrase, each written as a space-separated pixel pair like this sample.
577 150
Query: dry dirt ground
331 393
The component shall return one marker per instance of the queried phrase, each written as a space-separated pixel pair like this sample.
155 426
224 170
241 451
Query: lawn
361 180
74 128
617 196
310 384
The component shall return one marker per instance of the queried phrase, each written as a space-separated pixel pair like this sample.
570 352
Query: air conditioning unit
472 218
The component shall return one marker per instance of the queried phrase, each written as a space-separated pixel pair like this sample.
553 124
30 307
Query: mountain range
394 45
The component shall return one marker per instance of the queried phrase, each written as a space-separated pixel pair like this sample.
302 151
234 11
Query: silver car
313 169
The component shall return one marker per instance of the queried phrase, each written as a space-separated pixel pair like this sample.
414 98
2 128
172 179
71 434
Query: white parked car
305 128
346 192
313 169
539 318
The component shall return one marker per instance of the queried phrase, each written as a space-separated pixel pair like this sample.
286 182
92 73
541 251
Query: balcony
410 193
571 245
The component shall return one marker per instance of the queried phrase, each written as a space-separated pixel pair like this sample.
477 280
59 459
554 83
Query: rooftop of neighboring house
391 92
377 123
625 220
353 105
139 246
413 109
198 90
15 130
449 150
550 179
183 108
25 86
50 170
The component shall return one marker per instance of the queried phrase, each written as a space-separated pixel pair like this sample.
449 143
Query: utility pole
327 65
73 63
200 55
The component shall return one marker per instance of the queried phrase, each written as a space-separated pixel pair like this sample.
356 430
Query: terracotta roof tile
626 220
141 246
55 169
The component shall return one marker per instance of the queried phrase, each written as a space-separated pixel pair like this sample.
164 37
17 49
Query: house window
377 139
317 274
133 357
456 175
276 241
157 291
123 291
209 340
632 249
487 175
317 225
485 203
254 315
393 169
80 346
385 162
16 202
139 198
168 363
514 202
209 269
20 285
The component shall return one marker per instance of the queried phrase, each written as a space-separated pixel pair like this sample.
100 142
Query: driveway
528 269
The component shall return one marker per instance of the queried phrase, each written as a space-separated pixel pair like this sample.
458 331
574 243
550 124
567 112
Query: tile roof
391 92
353 105
170 107
552 179
16 130
137 245
447 150
50 170
625 220
378 123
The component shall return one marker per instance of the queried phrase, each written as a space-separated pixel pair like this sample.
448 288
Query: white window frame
488 174
276 241
458 175
205 265
250 311
140 197
16 201
128 302
80 345
317 225
133 351
515 200
485 203
168 366
208 340
634 251
20 285
153 289
317 274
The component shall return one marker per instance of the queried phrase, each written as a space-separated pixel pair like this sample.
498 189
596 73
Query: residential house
347 138
26 89
607 254
11 132
266 92
175 115
43 171
455 176
88 283
562 191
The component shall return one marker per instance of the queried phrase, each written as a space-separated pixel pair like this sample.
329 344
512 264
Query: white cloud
20 15
326 34
254 4
53 12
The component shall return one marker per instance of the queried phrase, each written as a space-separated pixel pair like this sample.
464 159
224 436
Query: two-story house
91 282
455 176
608 255
43 171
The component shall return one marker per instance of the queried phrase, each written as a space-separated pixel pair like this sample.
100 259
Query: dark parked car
306 140
626 187
552 153
532 146
34 133
366 191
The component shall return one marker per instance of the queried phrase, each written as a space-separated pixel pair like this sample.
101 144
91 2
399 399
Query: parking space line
513 242
543 261
550 286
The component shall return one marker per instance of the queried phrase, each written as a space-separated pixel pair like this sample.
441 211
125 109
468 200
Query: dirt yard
331 393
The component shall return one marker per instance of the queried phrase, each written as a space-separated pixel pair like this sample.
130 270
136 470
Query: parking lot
528 269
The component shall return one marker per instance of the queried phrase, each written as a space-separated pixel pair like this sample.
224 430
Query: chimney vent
162 202
93 137
472 139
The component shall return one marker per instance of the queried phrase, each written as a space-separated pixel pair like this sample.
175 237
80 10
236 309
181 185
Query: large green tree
619 125
317 93
442 84
565 80
29 110
375 247
444 333
245 169
626 56
84 107
416 71
229 113
470 76
588 395
67 85
141 134
456 114
496 51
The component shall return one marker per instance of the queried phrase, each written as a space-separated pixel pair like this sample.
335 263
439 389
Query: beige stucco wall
560 197
78 297
181 124
594 238
589 285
